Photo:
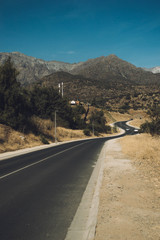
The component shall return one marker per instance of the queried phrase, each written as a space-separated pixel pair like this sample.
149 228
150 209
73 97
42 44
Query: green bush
87 132
151 127
98 121
44 140
96 133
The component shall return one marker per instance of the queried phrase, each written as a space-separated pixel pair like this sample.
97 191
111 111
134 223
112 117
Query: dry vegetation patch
144 150
129 200
120 117
11 140
138 117
64 134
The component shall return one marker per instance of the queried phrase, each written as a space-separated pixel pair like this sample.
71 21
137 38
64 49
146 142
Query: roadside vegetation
144 151
30 113
18 105
144 148
11 139
152 126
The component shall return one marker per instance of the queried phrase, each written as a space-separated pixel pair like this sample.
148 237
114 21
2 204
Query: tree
98 119
13 106
45 101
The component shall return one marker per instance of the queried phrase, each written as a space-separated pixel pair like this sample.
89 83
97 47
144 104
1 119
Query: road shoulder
128 207
84 223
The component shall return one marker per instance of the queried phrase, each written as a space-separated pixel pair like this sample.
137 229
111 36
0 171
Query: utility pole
93 128
62 89
55 126
59 87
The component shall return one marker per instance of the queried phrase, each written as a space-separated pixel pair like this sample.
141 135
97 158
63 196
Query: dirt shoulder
129 205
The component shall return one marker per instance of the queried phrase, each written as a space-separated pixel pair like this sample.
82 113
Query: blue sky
77 30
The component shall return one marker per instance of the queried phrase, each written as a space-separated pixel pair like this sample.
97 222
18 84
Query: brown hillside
114 93
100 68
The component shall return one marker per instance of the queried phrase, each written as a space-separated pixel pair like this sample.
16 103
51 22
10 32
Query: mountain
108 81
102 68
156 70
31 69
99 68
153 70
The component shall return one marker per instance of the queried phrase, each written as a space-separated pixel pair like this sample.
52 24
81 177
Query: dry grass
144 150
64 134
137 122
120 117
12 140
138 116
44 126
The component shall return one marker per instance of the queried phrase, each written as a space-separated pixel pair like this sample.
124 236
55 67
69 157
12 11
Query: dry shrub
44 126
64 134
145 152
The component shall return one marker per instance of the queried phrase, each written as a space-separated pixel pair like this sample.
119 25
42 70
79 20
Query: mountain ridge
32 69
108 82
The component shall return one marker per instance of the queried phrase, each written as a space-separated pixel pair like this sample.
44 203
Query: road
41 191
129 130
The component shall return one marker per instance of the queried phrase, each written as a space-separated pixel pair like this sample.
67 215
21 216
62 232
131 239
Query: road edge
84 223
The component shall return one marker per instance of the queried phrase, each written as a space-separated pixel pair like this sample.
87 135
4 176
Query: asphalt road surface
41 191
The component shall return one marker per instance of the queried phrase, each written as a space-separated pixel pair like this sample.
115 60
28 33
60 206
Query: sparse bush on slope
152 127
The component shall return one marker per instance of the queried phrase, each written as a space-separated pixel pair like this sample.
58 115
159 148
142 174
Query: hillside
102 67
81 88
31 69
114 93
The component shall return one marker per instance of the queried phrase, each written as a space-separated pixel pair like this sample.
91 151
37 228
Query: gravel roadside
129 207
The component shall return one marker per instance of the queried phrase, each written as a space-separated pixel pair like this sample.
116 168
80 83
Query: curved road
41 191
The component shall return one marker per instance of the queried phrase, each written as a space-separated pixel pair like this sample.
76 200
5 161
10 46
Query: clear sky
77 30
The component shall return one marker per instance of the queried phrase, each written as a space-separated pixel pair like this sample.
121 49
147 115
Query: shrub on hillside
87 132
44 140
152 127
98 122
